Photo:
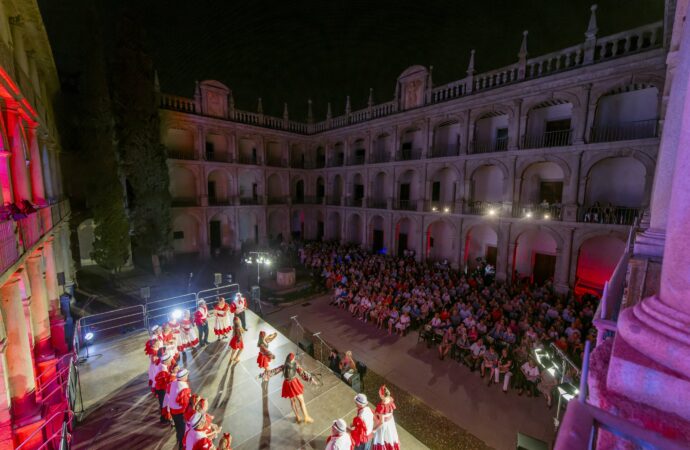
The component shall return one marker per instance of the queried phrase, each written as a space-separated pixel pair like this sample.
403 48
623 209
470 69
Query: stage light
434 209
446 209
267 262
528 215
547 217
177 314
88 336
248 260
492 212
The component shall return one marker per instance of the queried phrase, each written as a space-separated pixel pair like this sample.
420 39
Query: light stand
88 337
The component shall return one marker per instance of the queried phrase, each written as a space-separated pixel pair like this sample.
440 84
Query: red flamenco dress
236 343
292 386
386 436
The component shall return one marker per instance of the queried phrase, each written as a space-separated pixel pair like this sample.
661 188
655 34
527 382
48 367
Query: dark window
436 191
178 234
359 191
558 125
209 151
550 191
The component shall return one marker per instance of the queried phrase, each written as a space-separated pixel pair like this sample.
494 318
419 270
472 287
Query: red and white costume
223 323
197 440
237 343
339 439
201 315
386 436
153 371
162 379
177 397
170 342
363 423
189 337
265 357
238 305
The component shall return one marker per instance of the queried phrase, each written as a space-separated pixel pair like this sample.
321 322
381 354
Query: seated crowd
488 326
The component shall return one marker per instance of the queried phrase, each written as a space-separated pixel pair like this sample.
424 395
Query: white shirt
342 442
193 436
367 416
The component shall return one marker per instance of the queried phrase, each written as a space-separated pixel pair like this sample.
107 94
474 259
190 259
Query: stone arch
298 188
250 186
440 241
596 257
183 186
249 227
535 172
481 184
537 253
377 232
274 188
407 230
219 184
380 189
481 240
354 229
625 183
320 188
334 226
297 221
186 229
222 234
277 224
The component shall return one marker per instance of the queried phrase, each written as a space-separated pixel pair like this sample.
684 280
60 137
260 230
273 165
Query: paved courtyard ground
449 387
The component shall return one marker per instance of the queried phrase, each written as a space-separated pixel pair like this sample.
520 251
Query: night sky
290 51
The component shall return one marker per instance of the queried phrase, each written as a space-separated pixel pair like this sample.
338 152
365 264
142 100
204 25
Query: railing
484 208
548 139
443 152
448 91
54 433
356 160
379 157
187 155
567 58
639 129
407 154
611 215
280 200
439 207
213 201
538 212
496 78
499 145
377 203
183 202
9 246
336 162
30 230
177 103
250 200
248 117
405 205
334 201
218 157
307 200
276 162
629 41
249 159
354 202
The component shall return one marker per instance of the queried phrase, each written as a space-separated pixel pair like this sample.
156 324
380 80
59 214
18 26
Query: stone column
51 278
650 363
20 362
39 308
37 185
560 281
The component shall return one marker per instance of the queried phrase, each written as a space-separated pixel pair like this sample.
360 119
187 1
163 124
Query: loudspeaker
307 347
61 278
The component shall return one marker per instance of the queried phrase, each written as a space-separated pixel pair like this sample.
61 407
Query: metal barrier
154 311
55 439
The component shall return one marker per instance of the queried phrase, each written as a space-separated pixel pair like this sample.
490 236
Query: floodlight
434 209
267 262
547 217
492 212
446 209
88 336
528 215
176 314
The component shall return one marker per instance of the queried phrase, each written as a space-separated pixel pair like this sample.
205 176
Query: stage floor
121 413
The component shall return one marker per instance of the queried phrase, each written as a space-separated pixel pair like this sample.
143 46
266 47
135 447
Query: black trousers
241 316
203 333
178 420
161 395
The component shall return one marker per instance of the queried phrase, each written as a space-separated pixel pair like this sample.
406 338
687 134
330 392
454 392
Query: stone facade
437 163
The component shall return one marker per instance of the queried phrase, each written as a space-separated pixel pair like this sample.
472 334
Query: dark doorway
377 243
256 234
491 252
255 191
551 191
436 191
544 267
406 151
209 151
254 156
299 191
215 235
402 243
211 193
319 230
320 189
405 192
359 191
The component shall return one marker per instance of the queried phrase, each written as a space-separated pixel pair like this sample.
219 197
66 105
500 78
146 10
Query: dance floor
120 412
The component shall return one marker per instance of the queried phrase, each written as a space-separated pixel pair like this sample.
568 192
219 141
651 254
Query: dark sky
289 51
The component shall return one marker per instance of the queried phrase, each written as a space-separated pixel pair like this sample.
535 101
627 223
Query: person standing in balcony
223 324
237 342
201 321
238 307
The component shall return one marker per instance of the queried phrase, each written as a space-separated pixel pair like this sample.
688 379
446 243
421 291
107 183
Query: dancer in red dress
385 432
223 324
188 335
265 357
237 342
292 386
225 441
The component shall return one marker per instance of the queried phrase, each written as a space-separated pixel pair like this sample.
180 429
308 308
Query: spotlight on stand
528 215
434 209
547 216
446 210
492 212
88 337
176 314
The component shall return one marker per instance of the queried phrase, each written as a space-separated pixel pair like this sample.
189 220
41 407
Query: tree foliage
142 156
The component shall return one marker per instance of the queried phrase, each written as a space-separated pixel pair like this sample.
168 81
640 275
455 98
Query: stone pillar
51 278
37 185
562 275
650 364
20 362
39 308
